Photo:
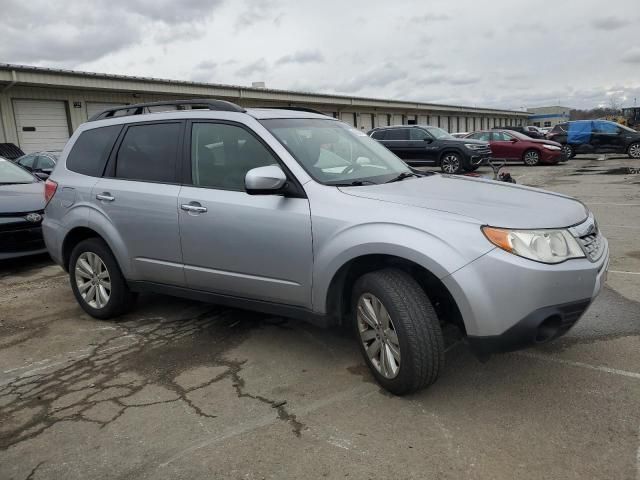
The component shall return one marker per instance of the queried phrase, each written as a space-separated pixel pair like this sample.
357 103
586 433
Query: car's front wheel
451 162
568 151
96 280
531 158
634 150
398 331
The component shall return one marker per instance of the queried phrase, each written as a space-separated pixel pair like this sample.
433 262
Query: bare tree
614 104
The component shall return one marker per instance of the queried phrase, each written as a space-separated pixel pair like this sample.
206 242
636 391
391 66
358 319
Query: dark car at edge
596 136
21 211
420 145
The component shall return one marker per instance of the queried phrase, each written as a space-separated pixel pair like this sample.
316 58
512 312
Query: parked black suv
423 145
596 136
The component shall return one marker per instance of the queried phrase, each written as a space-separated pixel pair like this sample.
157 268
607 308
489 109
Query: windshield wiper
402 176
15 183
355 183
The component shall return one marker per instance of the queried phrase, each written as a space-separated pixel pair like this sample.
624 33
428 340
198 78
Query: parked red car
514 146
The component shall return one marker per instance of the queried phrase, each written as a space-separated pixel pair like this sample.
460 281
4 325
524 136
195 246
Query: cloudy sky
495 53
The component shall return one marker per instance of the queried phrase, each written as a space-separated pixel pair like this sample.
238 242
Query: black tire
634 151
531 158
568 151
452 163
415 323
120 298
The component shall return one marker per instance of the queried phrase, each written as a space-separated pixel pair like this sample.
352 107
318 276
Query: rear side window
148 153
398 134
89 154
379 134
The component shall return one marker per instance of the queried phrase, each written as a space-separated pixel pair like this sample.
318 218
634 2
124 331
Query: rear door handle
193 207
105 197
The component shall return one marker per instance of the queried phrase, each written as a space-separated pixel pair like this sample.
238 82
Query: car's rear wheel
531 158
451 162
96 280
398 331
634 150
568 151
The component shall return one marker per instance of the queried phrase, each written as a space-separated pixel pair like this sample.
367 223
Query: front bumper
480 158
550 156
508 302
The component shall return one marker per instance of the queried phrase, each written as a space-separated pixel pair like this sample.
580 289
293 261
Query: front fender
438 256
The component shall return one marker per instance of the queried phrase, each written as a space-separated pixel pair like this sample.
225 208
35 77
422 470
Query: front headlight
475 146
550 147
547 246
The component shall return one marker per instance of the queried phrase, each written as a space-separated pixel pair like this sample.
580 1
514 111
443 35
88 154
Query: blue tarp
579 132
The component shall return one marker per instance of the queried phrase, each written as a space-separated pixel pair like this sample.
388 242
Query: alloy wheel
450 163
378 335
634 150
568 151
93 280
531 158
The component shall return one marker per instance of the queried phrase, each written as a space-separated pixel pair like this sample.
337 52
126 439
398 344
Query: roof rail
142 108
298 109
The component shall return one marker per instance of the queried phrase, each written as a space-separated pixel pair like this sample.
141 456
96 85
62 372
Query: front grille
592 245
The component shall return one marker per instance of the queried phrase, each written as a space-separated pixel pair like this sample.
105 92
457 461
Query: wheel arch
338 299
80 233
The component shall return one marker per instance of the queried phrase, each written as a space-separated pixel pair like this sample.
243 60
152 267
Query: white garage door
382 120
97 107
364 122
396 120
347 117
42 124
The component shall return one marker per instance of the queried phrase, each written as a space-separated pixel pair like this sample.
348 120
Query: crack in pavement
115 373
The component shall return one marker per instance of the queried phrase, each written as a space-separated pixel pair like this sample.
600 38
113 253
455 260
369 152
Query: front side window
148 153
605 127
439 133
501 137
45 162
334 153
222 154
418 134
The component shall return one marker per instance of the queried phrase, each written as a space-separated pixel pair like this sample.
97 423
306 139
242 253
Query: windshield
334 153
438 133
10 173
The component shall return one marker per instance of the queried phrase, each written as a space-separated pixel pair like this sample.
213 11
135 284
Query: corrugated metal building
41 107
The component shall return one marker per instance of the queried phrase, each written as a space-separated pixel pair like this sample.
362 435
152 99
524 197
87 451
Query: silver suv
297 214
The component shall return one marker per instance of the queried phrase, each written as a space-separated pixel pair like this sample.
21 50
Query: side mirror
264 180
41 175
428 139
513 140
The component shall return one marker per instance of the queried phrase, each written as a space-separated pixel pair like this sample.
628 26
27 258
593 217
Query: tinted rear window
379 134
148 153
90 152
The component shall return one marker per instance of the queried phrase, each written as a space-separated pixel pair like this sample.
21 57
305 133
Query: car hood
462 141
489 202
544 141
22 198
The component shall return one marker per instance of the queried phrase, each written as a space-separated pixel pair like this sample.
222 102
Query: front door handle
193 207
105 197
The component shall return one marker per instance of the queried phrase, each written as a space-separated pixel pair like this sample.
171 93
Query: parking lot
180 389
